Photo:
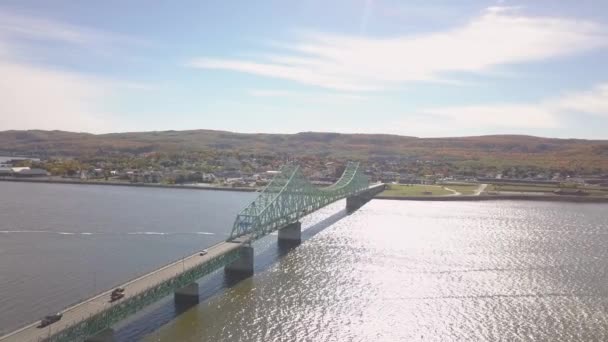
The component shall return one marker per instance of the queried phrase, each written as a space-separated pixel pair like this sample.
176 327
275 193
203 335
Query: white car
203 252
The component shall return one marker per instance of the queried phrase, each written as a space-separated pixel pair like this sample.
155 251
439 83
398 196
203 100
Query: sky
422 68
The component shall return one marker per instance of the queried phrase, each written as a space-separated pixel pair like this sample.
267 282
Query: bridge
286 199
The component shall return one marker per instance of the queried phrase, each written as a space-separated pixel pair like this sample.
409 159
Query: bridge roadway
101 302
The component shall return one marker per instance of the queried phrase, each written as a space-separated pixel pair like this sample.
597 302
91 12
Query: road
101 302
480 189
454 192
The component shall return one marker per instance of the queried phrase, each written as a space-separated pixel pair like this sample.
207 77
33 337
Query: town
234 170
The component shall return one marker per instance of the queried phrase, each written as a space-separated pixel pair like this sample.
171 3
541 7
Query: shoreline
544 198
141 185
461 198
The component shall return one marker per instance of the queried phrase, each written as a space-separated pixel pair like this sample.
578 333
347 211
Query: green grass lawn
415 190
521 188
542 188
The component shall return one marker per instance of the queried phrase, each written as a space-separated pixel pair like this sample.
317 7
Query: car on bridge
50 319
203 252
117 294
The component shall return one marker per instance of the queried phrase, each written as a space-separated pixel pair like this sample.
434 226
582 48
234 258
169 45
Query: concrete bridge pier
243 266
291 234
187 295
104 336
357 201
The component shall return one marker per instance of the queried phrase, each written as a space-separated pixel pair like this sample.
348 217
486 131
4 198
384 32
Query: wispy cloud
316 97
546 114
496 116
593 101
32 97
44 96
499 36
17 27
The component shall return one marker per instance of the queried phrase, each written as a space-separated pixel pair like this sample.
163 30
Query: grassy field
542 188
403 190
521 188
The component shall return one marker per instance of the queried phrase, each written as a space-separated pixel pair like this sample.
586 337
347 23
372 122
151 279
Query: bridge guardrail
105 317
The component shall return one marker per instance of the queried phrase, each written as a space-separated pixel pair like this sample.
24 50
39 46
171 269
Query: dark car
118 290
117 294
50 319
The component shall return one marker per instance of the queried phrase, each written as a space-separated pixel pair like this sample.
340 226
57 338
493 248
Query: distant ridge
492 149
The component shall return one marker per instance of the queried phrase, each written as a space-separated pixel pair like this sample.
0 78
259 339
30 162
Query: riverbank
550 198
141 185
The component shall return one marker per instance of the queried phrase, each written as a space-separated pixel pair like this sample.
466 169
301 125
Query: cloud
32 97
594 101
546 114
40 96
497 116
14 26
499 36
315 97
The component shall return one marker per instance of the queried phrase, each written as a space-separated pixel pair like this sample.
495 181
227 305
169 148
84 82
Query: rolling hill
499 150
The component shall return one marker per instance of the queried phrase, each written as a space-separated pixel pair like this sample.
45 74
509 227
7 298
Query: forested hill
495 149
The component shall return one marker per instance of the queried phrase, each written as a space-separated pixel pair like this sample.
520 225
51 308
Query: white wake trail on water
44 232
170 233
98 233
147 233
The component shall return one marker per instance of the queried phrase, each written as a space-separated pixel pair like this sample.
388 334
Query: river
391 271
60 243
425 271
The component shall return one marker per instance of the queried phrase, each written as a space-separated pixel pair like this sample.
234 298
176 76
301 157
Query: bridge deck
101 302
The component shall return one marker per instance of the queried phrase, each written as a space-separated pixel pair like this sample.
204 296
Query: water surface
60 243
425 271
391 271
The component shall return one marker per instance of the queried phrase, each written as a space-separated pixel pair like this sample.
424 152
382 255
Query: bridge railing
115 312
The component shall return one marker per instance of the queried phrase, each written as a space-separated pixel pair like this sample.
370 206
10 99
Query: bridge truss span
290 196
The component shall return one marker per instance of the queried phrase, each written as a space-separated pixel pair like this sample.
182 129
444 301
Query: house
208 178
19 169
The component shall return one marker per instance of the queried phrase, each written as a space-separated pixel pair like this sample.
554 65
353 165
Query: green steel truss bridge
290 196
286 199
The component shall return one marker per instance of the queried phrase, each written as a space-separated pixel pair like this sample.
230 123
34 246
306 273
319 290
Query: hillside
497 150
